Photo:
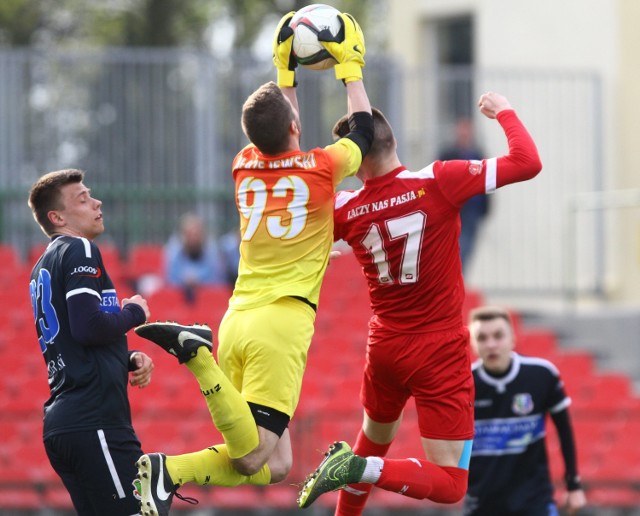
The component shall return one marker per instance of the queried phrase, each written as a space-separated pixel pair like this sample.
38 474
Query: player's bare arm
358 101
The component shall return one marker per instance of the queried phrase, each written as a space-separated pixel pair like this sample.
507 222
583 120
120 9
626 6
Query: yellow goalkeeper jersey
285 204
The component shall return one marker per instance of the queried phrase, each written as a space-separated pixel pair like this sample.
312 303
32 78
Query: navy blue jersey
509 471
88 383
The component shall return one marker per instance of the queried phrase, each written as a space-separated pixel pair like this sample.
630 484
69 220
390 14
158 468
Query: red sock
349 503
421 479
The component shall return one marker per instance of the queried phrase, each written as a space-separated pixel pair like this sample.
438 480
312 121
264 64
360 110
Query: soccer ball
306 24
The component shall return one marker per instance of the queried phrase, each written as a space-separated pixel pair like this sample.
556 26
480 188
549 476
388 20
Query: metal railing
156 131
595 223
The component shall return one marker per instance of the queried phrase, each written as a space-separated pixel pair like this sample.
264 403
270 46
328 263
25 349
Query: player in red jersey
403 227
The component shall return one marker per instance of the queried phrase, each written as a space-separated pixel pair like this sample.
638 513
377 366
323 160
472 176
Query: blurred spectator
230 248
193 259
476 208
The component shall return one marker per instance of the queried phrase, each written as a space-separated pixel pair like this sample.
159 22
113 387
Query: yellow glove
349 51
282 58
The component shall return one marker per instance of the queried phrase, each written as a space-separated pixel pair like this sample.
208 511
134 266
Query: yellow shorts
263 351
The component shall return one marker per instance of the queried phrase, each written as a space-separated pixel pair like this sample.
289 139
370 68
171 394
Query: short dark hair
489 313
384 140
45 196
266 117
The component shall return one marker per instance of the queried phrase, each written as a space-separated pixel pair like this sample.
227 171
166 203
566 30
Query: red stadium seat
16 432
145 259
609 394
614 496
113 263
594 439
243 496
626 429
575 363
35 251
620 464
9 257
176 394
28 464
168 303
473 299
15 299
516 323
576 368
24 367
161 435
280 496
538 343
211 305
57 497
328 501
13 271
26 397
20 498
393 500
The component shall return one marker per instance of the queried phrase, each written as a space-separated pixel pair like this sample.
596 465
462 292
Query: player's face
493 342
81 215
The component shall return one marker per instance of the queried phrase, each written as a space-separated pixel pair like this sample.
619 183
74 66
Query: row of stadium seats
141 259
170 415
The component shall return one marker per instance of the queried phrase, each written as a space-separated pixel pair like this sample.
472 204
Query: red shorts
434 368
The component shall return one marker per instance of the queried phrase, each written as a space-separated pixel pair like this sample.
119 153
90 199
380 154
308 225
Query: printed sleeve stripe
490 178
343 197
112 467
560 406
425 173
77 291
543 362
348 157
87 247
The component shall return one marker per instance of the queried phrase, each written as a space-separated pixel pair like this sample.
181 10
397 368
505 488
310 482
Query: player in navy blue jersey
81 327
509 470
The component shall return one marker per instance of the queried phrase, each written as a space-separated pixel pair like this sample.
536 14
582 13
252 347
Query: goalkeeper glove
282 58
348 51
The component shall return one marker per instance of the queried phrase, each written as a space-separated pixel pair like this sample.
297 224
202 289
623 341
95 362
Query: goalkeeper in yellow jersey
284 197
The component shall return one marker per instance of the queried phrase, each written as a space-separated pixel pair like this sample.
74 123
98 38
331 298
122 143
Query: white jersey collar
500 384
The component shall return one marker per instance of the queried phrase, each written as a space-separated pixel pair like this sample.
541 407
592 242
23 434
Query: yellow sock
212 466
229 410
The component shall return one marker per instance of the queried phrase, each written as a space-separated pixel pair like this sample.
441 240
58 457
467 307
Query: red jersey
404 226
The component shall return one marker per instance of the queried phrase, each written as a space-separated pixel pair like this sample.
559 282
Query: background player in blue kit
81 329
509 470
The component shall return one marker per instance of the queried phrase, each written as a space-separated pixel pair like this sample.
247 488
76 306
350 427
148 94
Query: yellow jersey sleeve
347 158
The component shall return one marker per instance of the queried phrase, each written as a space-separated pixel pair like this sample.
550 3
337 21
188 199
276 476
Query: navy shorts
98 469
